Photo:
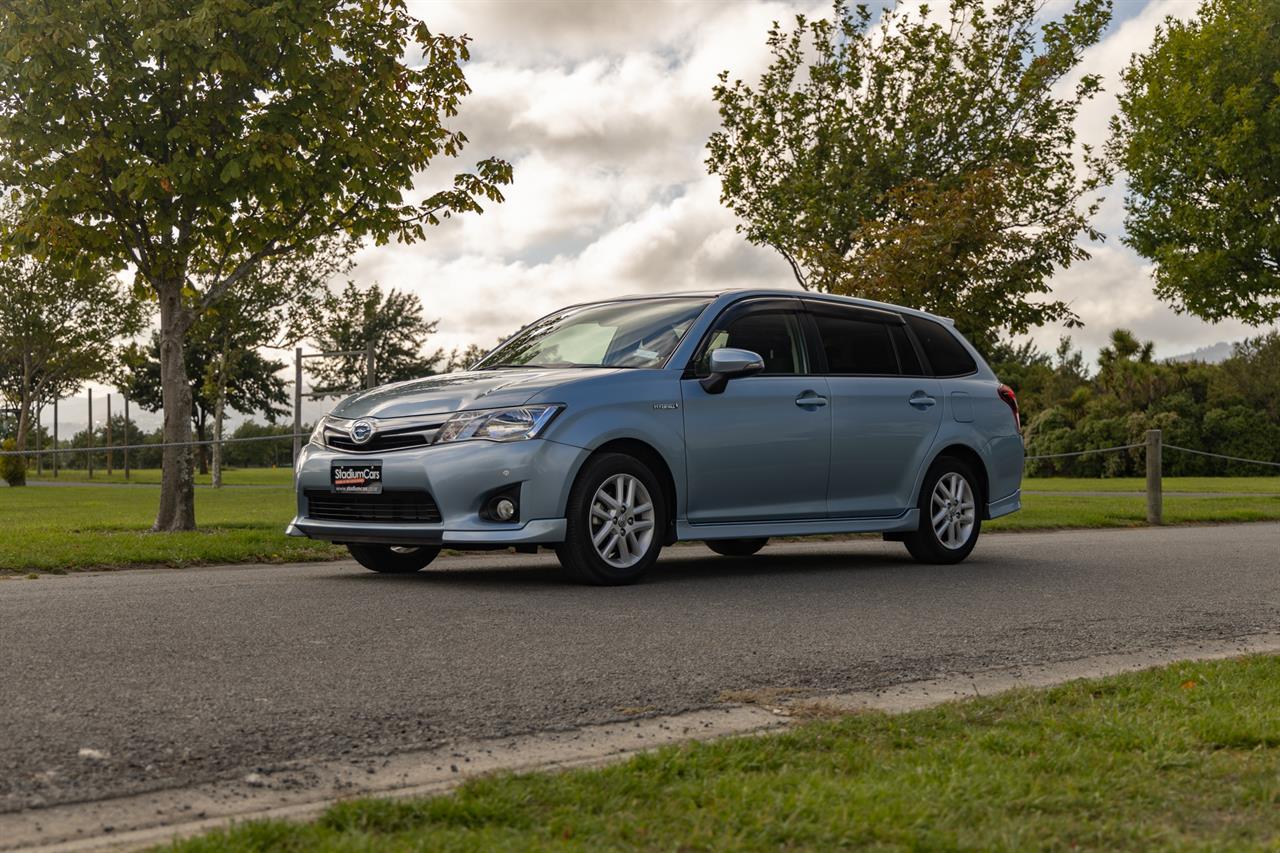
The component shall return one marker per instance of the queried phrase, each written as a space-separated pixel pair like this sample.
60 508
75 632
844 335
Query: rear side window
856 345
946 355
906 351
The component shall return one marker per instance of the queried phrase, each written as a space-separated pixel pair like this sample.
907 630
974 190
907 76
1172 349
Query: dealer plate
360 479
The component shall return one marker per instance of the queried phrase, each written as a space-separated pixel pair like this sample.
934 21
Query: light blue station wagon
610 429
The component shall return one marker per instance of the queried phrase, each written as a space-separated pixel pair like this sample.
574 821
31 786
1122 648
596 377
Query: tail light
1011 400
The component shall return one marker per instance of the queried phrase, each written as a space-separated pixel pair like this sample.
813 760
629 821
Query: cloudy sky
604 109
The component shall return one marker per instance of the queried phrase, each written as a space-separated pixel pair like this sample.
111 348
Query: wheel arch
974 460
655 461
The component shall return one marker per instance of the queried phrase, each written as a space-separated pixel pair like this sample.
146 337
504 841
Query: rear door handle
810 399
921 400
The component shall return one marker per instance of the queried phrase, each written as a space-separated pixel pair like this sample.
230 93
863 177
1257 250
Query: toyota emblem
362 431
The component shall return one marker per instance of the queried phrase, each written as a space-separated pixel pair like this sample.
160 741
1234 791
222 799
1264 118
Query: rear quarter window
946 355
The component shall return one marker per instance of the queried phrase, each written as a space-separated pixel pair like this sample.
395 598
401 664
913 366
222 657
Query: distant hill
1213 354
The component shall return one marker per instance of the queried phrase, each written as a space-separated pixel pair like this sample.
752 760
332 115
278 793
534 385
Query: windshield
641 333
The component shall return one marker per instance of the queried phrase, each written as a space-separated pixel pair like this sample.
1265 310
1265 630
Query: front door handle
921 400
810 400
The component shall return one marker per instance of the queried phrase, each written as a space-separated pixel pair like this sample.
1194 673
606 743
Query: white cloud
604 110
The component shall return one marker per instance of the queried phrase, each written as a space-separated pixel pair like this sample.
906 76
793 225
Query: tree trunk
17 473
219 405
177 492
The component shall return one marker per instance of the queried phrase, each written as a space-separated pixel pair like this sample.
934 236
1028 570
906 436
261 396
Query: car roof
780 292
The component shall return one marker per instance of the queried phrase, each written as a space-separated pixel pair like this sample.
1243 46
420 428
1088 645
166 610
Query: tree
919 163
462 359
248 382
191 140
272 307
58 325
1198 133
393 321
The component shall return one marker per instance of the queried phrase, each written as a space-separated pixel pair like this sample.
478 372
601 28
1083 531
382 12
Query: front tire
393 559
615 521
950 519
736 547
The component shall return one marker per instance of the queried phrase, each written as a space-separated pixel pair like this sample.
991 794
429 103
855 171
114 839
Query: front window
641 333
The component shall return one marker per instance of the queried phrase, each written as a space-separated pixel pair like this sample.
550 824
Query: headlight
512 424
317 434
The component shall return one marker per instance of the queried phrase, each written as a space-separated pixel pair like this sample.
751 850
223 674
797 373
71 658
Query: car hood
451 392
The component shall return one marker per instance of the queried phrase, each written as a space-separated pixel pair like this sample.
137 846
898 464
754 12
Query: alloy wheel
622 521
954 511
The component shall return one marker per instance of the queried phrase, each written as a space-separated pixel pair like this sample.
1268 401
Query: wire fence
1076 453
302 435
93 445
159 445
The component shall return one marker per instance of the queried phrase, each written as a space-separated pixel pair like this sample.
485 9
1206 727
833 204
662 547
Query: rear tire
615 520
737 547
394 559
950 514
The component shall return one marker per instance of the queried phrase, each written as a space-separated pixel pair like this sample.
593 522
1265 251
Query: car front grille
387 508
384 440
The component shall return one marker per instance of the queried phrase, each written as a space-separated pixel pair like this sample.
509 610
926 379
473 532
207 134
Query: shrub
13 469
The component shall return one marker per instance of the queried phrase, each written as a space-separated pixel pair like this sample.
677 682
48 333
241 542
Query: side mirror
728 363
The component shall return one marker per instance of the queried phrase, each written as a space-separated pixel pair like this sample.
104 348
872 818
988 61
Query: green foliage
13 469
1198 133
393 320
58 325
920 163
253 384
461 359
1229 408
196 140
202 136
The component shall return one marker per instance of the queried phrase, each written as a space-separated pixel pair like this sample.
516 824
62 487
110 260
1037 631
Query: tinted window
946 355
773 335
856 345
907 357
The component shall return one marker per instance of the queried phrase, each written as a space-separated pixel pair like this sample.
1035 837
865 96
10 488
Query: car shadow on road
681 565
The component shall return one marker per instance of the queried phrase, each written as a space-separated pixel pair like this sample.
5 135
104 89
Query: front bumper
459 478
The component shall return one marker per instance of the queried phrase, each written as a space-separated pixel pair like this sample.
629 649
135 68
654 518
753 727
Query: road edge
294 792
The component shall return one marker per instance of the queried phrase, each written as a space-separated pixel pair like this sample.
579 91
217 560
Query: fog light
504 509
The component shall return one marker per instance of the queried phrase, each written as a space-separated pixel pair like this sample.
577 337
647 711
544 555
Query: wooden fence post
1155 488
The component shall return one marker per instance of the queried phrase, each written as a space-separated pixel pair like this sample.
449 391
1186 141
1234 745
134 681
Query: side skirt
909 520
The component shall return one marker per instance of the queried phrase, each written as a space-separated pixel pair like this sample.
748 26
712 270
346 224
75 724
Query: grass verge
1244 485
83 527
1060 512
93 527
1186 756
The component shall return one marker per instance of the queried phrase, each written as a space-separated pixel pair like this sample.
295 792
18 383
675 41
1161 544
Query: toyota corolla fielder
608 430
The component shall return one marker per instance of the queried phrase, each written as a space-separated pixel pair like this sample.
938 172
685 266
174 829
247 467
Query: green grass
151 476
1183 757
1263 485
1053 512
82 527
88 527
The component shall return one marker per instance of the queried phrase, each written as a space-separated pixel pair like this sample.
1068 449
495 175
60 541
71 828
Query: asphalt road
172 677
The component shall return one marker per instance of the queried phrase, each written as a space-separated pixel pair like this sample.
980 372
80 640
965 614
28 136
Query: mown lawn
1257 485
1184 757
55 528
1062 511
79 527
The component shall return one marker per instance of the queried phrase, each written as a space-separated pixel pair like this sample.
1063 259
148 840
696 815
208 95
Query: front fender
644 408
